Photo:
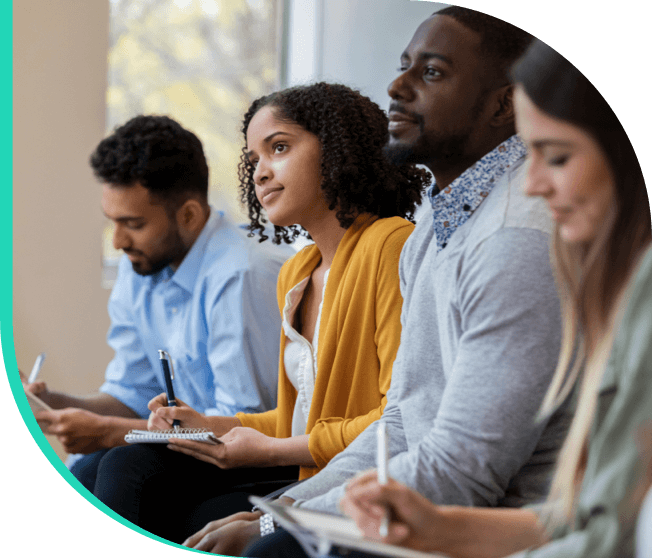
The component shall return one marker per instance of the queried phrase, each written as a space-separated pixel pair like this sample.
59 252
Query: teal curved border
6 275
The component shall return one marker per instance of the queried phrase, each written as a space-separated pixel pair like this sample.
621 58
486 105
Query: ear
191 217
504 114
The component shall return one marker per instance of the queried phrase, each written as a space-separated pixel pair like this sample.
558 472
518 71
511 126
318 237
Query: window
202 62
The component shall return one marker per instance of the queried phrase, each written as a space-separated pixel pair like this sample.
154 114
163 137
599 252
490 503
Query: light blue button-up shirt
216 315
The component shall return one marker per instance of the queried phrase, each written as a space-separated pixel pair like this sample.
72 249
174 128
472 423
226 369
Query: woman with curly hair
313 164
355 176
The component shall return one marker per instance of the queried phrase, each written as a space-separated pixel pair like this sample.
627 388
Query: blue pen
165 357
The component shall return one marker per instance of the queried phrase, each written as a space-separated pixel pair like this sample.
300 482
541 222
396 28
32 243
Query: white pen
36 368
382 470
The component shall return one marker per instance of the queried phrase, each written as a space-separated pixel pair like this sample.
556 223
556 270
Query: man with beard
190 283
480 318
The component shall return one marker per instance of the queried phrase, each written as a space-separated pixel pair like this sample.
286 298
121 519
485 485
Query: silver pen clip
165 355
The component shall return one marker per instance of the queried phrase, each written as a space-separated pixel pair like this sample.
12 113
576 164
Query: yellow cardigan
358 339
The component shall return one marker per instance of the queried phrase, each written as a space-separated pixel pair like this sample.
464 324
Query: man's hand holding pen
38 388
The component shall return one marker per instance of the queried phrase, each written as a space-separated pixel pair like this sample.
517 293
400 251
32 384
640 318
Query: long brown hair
591 277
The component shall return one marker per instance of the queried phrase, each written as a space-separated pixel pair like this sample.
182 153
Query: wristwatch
267 524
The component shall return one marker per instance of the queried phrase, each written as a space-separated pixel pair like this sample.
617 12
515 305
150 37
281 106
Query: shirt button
174 310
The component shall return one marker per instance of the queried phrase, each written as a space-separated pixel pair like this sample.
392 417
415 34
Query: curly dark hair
501 42
356 175
159 154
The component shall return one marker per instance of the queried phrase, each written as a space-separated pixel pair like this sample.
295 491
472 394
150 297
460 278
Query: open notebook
163 436
318 532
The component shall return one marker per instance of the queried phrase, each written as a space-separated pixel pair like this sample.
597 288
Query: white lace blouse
300 355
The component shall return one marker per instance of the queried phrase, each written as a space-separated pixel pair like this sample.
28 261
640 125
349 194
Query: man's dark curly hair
501 43
356 176
156 152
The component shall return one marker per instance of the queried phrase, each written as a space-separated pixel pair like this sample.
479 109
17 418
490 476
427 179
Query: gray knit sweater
479 344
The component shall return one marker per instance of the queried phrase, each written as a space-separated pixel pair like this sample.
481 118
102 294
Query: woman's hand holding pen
416 522
161 415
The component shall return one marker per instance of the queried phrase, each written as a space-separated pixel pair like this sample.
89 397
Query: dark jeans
85 468
173 495
282 544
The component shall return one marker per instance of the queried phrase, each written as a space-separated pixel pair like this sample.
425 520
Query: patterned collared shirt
456 203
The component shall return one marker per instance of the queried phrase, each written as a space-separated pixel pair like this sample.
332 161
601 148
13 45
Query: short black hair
158 153
356 175
501 42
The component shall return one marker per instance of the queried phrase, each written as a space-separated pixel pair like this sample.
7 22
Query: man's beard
440 153
173 250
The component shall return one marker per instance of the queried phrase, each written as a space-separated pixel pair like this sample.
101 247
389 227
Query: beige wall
60 67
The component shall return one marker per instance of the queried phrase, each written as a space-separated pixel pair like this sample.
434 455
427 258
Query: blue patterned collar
456 203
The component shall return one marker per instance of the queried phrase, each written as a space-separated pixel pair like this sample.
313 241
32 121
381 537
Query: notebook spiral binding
161 436
169 432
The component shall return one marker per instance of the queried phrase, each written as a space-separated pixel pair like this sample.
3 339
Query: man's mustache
396 106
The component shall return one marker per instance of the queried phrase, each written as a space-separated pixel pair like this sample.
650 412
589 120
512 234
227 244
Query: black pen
164 357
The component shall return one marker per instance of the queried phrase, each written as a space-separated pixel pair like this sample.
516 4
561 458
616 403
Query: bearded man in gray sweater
480 318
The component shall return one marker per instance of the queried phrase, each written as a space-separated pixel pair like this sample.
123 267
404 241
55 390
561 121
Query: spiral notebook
163 436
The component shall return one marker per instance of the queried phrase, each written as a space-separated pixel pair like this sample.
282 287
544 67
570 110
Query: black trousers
174 495
282 544
85 468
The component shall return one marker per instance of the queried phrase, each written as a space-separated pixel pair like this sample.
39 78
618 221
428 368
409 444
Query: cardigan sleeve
330 436
263 422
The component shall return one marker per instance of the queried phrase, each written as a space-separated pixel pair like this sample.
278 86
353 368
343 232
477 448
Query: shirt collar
456 203
188 271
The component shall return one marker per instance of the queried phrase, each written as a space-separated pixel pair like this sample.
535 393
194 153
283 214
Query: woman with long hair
312 164
584 166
